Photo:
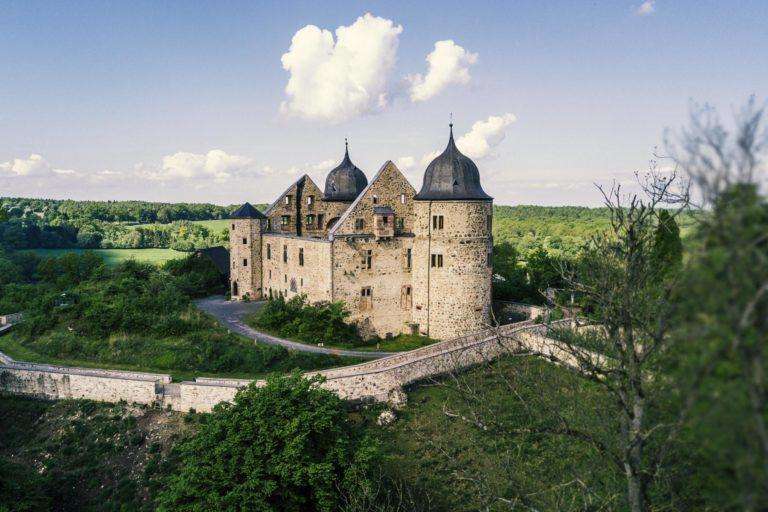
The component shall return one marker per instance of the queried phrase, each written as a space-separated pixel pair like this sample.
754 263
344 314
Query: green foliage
309 323
287 446
135 314
667 247
524 280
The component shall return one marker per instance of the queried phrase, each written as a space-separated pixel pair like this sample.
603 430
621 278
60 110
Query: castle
403 262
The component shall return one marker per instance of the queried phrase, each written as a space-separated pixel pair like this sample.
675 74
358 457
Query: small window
400 223
408 257
270 273
269 224
301 256
245 262
368 259
285 278
310 200
375 199
288 199
310 220
245 241
233 227
490 258
285 221
406 297
437 260
359 223
437 222
402 198
320 219
490 223
285 254
366 298
269 252
385 220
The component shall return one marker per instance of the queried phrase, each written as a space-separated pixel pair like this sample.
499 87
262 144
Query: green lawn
115 256
213 225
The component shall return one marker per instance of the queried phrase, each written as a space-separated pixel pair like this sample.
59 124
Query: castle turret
452 248
246 227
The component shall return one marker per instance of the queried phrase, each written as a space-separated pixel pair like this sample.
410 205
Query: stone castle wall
455 298
372 381
245 257
291 278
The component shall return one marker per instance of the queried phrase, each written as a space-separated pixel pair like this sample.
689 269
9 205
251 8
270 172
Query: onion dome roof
452 176
345 182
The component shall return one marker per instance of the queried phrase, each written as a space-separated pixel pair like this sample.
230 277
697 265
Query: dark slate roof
218 255
383 209
345 182
247 211
452 176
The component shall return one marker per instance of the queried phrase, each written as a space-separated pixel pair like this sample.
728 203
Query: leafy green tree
287 446
667 246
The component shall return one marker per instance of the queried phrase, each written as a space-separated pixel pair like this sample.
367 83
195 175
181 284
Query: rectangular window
288 199
269 224
245 262
285 254
359 223
490 223
366 298
301 256
408 257
320 218
437 222
406 297
285 278
375 200
437 260
385 220
368 259
233 227
269 252
245 241
310 221
402 198
270 273
310 200
285 221
400 223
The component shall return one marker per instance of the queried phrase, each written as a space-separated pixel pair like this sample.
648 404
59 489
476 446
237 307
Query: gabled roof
218 255
247 211
285 192
360 196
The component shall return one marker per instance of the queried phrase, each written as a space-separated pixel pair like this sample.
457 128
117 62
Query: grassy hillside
114 256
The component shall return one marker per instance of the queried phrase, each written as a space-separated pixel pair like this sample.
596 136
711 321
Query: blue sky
181 101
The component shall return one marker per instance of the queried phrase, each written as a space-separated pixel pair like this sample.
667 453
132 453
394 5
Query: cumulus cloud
335 80
215 164
447 64
646 8
485 135
405 163
33 166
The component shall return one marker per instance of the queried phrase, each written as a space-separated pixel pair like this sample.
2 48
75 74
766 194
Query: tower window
408 257
437 222
285 254
245 241
233 227
400 223
368 259
437 261
375 199
406 297
402 198
301 256
288 199
310 200
366 298
285 221
269 251
359 223
245 262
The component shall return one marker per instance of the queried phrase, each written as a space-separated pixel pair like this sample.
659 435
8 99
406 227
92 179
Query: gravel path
231 314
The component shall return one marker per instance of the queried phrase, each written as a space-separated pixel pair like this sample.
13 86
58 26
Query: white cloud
35 165
646 8
405 163
215 164
447 64
427 158
485 135
335 80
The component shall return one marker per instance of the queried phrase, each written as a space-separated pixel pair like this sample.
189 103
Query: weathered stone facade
245 257
400 263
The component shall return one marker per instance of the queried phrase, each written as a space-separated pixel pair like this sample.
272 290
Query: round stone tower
245 266
452 248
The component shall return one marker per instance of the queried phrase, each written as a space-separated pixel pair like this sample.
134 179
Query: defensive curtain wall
380 380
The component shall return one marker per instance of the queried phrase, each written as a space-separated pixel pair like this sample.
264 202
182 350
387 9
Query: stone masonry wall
245 257
290 278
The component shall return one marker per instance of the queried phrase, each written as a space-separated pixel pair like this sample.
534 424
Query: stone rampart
372 381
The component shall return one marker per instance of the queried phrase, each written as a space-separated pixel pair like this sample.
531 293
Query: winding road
231 315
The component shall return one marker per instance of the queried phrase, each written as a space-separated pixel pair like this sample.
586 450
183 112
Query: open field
213 224
115 256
